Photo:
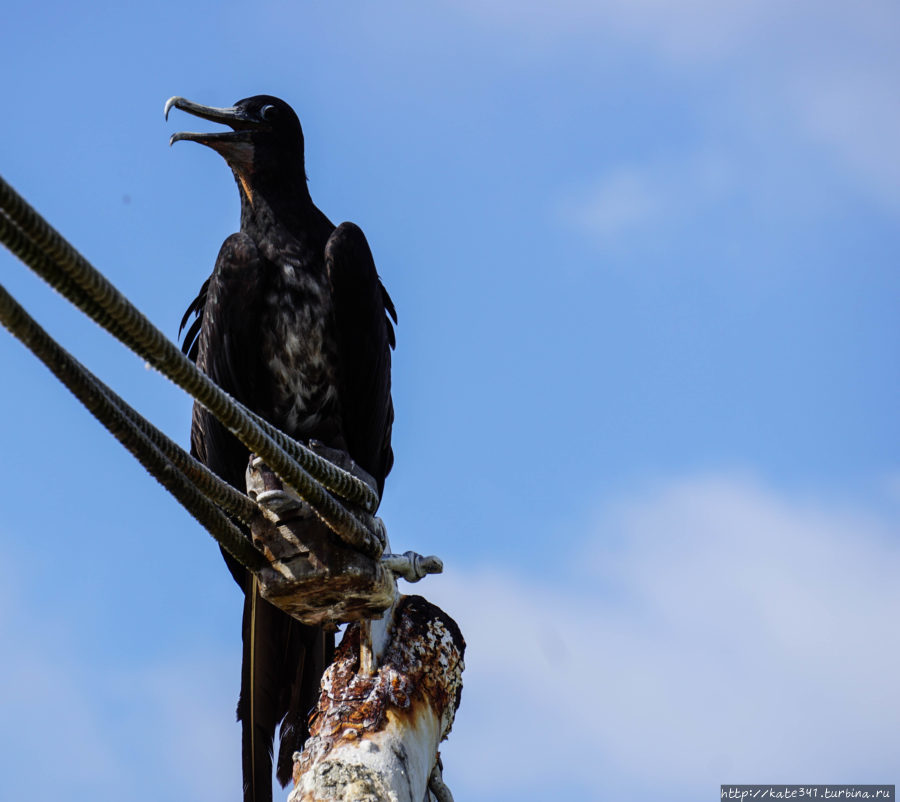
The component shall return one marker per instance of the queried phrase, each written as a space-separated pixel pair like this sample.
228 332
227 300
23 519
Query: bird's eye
268 112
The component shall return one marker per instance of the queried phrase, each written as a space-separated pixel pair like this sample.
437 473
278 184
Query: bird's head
265 138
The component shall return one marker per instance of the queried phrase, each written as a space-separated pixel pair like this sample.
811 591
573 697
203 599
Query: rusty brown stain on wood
421 670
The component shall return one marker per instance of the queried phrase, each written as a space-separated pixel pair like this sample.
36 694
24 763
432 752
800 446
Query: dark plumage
293 322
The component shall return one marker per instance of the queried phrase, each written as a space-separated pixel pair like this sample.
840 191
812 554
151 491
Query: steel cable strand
233 415
216 489
148 342
213 487
152 344
92 393
237 420
22 247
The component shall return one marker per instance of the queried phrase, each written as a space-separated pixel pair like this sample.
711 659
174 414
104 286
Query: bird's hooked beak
236 118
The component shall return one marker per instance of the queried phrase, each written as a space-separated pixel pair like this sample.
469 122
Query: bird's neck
265 205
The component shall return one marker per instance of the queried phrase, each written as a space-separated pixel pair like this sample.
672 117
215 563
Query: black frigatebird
293 322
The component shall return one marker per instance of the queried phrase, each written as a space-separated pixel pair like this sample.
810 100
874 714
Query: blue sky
644 257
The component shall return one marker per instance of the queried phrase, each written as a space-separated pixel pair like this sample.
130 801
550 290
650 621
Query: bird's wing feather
365 337
283 659
194 308
226 344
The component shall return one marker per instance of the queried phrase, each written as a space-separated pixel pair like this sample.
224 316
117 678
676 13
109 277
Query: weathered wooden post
390 696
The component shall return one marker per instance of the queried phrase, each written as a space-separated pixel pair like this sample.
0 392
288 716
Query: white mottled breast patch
301 351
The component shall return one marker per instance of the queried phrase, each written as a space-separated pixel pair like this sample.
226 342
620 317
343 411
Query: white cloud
634 199
689 30
708 630
823 73
711 630
625 200
856 115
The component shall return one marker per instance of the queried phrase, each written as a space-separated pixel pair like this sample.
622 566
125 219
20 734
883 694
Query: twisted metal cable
118 418
151 344
57 260
216 489
27 251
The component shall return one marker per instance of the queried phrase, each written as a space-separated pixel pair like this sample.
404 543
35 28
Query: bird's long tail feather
282 666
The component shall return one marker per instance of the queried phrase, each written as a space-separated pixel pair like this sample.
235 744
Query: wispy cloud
690 30
625 200
710 630
706 630
856 116
815 75
631 200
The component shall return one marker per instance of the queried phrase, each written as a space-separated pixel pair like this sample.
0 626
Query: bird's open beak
237 119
